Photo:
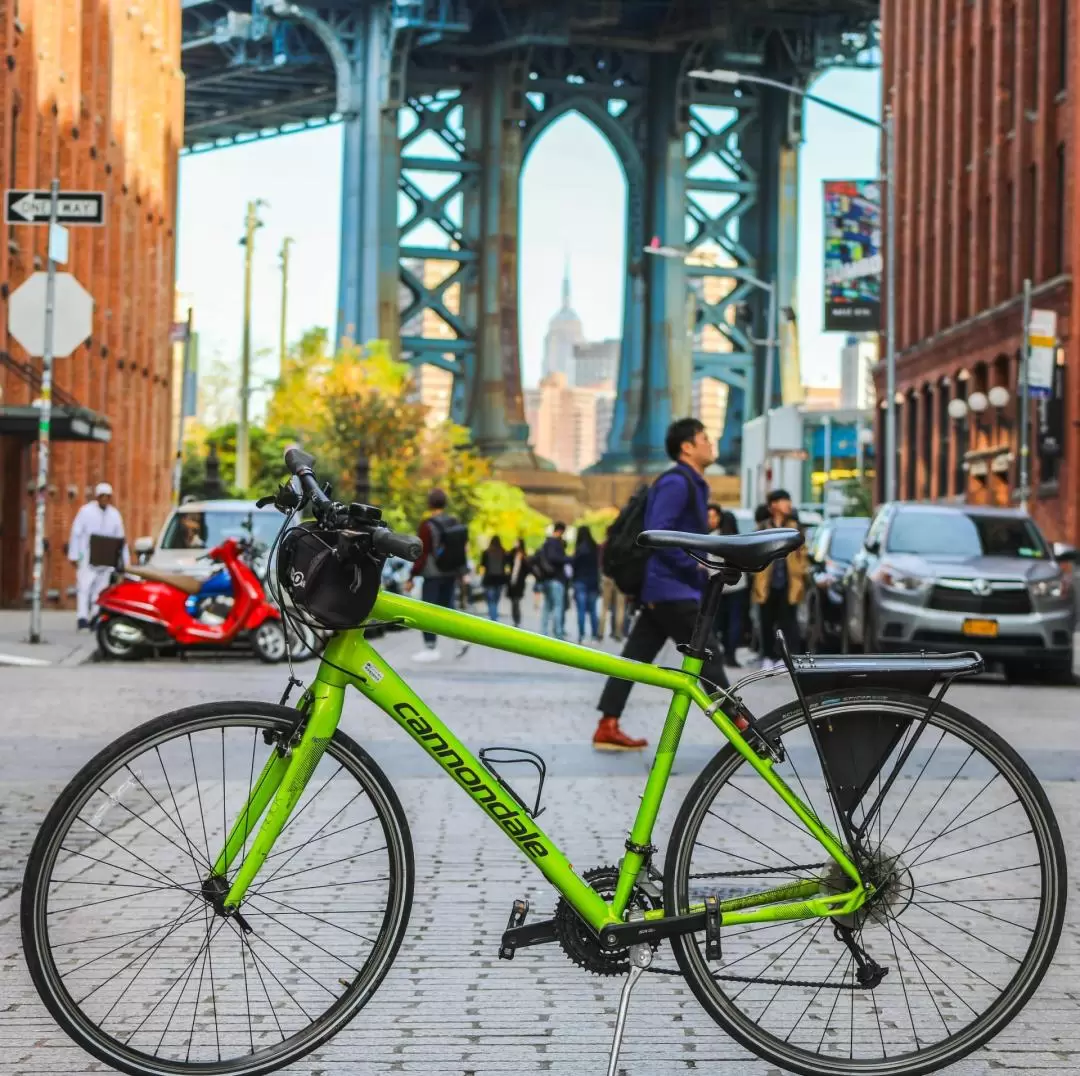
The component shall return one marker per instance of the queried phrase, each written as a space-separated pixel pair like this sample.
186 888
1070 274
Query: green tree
267 453
360 401
501 509
860 497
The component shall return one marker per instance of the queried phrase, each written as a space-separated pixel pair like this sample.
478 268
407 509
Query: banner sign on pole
1042 344
853 261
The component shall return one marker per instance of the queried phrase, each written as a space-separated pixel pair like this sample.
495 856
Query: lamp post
288 242
733 78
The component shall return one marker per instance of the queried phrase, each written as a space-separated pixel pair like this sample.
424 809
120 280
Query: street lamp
733 78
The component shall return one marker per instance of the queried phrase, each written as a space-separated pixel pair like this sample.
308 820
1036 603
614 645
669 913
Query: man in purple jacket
674 581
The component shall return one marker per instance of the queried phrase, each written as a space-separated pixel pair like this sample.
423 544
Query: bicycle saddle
747 552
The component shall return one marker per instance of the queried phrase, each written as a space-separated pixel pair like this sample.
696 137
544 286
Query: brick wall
92 91
985 137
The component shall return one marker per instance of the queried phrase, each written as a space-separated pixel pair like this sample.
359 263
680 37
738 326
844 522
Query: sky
573 202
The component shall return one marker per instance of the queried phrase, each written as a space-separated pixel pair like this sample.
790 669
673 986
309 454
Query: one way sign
73 207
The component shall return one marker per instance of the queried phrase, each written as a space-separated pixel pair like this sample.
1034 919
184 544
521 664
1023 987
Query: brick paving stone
449 1005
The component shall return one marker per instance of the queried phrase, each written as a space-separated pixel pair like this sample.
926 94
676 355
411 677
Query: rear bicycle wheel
132 959
970 867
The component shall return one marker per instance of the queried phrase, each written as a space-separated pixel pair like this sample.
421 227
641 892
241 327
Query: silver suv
937 577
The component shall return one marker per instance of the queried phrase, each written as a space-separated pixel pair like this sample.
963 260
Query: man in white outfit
96 518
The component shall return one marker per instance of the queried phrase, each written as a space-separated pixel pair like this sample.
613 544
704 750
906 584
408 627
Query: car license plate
984 629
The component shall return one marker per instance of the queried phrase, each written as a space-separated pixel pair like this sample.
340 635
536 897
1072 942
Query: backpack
624 559
543 569
451 540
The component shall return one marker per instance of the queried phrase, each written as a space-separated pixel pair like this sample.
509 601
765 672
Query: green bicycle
866 880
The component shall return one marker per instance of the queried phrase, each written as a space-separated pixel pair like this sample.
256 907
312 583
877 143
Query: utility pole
287 242
44 425
243 462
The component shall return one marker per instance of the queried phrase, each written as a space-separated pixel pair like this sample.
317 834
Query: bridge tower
441 102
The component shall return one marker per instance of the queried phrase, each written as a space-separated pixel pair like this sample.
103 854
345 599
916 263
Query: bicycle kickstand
640 958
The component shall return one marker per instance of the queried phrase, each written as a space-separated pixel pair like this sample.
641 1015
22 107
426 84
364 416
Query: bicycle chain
753 979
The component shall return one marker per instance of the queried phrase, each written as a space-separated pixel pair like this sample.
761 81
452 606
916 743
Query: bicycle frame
350 660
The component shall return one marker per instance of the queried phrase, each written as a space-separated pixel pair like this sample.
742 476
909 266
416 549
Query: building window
944 439
1063 44
1031 268
1031 53
1050 443
927 469
1059 211
960 435
1008 68
911 440
1007 236
984 299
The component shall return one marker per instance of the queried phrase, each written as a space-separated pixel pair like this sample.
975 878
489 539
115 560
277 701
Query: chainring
578 941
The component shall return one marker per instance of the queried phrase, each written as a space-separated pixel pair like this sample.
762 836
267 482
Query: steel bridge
440 102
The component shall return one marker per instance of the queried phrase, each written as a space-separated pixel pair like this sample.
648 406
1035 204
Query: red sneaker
609 737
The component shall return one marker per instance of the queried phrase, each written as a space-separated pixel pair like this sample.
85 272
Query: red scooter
148 613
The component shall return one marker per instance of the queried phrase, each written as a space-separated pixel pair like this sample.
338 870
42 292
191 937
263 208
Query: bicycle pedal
517 918
712 928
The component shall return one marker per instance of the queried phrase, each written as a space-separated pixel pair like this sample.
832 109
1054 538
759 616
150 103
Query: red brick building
91 92
984 96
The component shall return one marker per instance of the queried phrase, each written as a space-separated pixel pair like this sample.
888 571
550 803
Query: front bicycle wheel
130 956
969 871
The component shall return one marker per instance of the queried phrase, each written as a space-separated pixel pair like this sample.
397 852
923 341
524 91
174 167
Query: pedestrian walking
443 561
778 590
612 602
586 568
671 590
96 547
516 579
493 568
734 602
550 568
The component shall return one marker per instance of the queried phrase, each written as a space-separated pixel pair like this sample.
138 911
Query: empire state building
564 332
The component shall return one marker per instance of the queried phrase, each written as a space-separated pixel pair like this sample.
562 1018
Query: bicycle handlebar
383 540
387 543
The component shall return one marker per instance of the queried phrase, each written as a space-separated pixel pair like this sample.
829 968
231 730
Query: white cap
103 489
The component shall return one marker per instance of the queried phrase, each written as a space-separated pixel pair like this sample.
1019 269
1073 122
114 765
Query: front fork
277 791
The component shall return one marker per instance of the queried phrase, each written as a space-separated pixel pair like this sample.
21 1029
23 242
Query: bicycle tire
43 857
949 1050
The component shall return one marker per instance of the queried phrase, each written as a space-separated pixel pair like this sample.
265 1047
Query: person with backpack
668 583
549 567
612 600
518 573
442 562
493 578
586 566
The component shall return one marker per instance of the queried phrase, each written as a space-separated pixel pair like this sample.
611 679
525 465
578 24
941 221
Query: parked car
191 529
834 547
939 577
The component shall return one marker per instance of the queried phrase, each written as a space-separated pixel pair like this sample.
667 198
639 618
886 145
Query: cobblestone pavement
449 1005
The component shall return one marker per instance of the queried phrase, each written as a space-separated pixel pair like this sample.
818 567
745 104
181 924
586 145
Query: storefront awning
69 423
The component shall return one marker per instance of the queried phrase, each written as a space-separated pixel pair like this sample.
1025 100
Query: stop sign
73 312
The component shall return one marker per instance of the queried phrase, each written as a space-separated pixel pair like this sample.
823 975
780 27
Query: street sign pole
44 421
1025 396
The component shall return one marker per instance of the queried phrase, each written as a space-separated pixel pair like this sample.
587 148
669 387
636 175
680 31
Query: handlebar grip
389 544
297 460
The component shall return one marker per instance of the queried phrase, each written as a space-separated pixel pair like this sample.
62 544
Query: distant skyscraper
563 335
857 360
596 362
566 424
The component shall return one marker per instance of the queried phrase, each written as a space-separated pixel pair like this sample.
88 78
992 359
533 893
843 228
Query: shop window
944 439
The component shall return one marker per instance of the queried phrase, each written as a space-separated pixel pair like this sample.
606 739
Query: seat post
706 618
